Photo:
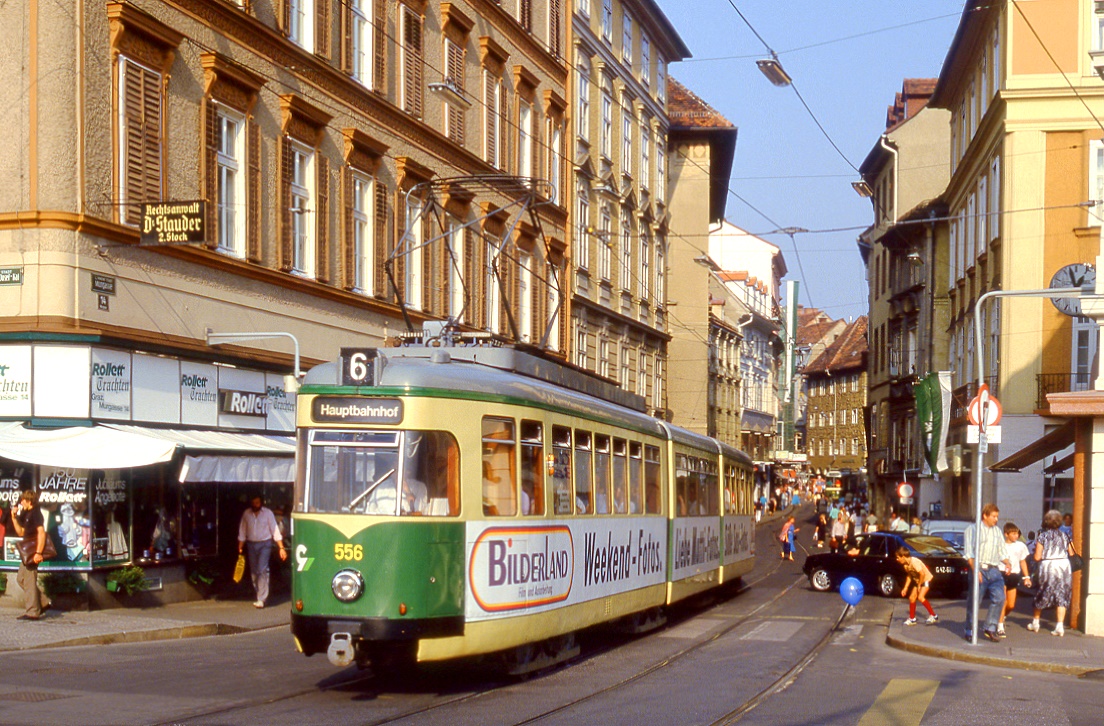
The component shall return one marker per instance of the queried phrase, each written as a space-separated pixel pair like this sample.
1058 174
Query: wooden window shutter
537 296
210 170
348 258
322 28
429 269
471 279
381 242
412 63
455 71
253 221
503 129
142 165
346 36
525 14
322 264
287 243
285 16
555 27
380 48
490 110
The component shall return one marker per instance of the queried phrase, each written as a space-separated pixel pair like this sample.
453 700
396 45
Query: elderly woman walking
1055 580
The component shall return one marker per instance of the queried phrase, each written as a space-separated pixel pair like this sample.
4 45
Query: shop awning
82 447
1041 448
227 456
216 442
246 469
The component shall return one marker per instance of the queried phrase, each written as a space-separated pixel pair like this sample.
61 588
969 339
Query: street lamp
774 71
862 188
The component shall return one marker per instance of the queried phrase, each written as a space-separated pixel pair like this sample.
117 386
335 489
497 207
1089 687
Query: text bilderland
520 568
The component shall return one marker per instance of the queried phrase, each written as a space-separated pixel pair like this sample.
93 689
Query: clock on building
1078 275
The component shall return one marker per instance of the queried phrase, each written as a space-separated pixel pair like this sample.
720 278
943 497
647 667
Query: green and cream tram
470 501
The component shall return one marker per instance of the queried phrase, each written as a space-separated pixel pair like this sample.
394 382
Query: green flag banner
933 411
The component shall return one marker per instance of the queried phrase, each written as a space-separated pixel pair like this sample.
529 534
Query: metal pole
214 338
983 442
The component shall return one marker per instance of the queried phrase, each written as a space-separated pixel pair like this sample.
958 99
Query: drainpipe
883 142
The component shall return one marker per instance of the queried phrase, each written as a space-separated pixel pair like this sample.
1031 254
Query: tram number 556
358 366
348 551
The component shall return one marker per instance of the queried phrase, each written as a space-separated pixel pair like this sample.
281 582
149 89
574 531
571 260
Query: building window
626 251
604 357
583 120
554 309
361 36
660 274
661 166
645 61
492 94
581 348
230 162
626 38
454 117
362 199
645 154
645 272
300 23
525 140
661 80
555 27
582 252
302 210
412 248
411 59
607 20
657 389
625 371
458 243
525 297
607 124
139 143
525 14
642 373
605 243
584 7
491 293
626 138
1096 182
555 160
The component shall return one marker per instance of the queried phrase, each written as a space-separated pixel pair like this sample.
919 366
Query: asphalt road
769 655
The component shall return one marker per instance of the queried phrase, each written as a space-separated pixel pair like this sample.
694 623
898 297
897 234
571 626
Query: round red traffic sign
984 402
904 490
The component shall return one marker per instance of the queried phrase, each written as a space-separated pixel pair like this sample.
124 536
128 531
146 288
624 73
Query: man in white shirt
256 533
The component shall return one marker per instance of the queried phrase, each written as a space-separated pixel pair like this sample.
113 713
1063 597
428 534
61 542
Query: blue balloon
851 590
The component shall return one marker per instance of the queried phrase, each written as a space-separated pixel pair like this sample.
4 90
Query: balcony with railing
1060 383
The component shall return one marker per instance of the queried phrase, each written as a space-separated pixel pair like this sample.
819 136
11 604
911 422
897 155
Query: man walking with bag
256 533
28 523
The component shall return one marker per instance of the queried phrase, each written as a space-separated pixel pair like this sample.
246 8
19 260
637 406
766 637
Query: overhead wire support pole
983 443
214 338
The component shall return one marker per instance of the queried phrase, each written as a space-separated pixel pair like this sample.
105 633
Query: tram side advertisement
525 569
697 546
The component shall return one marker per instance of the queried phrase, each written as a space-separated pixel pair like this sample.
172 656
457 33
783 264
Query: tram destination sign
349 409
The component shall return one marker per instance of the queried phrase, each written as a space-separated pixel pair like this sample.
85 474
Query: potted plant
127 580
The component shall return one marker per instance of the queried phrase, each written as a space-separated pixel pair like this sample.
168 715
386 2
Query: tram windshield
396 473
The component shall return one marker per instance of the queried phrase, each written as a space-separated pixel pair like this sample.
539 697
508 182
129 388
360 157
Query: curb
989 660
147 636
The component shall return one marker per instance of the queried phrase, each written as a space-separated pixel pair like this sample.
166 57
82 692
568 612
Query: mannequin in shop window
117 548
163 541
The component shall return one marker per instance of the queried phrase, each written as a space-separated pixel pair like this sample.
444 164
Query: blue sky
785 167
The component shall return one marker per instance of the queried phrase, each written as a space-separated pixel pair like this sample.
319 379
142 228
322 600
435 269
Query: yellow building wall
1055 22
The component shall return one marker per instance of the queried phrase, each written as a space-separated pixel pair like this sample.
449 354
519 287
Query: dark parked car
875 564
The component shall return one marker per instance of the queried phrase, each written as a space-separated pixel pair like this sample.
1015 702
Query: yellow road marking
902 702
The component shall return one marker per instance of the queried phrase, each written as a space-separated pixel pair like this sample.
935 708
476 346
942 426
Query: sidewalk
1074 654
133 625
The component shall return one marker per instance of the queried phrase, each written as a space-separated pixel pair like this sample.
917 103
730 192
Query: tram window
652 500
635 461
583 499
499 485
682 484
532 468
561 470
620 474
731 496
601 474
359 472
709 502
431 474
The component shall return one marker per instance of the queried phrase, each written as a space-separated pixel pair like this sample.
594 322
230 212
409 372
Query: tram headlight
347 585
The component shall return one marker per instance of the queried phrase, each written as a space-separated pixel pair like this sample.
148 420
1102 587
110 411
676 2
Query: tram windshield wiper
371 488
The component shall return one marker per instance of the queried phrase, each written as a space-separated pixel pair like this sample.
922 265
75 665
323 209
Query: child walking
917 582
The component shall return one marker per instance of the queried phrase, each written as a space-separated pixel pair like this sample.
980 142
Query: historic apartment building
332 172
905 251
704 387
1021 82
835 415
620 51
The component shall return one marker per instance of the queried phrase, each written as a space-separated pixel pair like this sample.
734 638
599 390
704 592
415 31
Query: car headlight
347 585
